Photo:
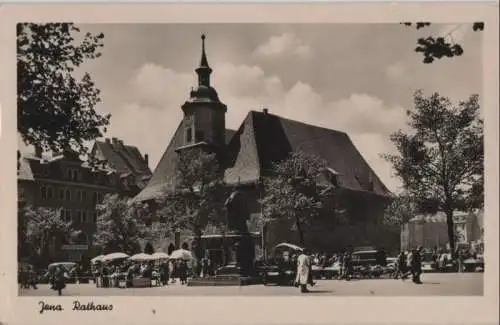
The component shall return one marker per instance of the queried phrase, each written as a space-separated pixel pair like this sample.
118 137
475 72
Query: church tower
204 122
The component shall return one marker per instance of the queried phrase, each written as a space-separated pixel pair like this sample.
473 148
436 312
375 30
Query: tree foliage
120 225
443 46
199 196
401 210
55 109
42 225
440 162
296 193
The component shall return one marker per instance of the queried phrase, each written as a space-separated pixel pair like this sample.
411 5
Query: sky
356 78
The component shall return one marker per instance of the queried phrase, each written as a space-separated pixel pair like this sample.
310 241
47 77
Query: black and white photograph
250 159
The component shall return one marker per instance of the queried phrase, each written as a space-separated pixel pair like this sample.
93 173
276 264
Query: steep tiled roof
124 159
263 139
267 138
25 171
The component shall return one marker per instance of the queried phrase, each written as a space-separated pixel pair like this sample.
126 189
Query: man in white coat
303 269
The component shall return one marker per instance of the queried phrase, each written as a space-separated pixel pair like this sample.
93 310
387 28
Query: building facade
65 183
431 231
248 154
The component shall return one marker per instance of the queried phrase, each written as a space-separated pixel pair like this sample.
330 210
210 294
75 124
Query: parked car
278 276
332 271
317 272
369 263
473 264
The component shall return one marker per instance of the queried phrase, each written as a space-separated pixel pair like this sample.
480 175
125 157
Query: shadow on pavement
319 291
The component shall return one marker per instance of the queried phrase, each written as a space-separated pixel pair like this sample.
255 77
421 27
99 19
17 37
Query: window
68 195
43 193
61 194
73 174
94 216
67 215
78 216
83 217
189 135
200 136
50 193
95 198
78 195
84 196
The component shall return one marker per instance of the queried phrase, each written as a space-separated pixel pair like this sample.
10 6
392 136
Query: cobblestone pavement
448 284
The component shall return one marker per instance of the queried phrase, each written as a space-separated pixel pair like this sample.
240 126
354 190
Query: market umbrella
97 259
181 254
114 256
160 256
141 257
290 246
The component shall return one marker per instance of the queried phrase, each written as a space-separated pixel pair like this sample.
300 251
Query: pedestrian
59 279
32 278
183 272
401 266
164 271
416 265
303 271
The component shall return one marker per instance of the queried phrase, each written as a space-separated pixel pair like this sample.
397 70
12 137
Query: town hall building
247 156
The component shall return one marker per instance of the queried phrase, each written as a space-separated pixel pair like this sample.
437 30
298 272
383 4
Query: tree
43 225
199 196
149 249
440 162
120 225
295 193
55 110
401 210
443 46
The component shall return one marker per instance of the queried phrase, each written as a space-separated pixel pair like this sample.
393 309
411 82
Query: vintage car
318 272
332 271
473 264
369 263
277 275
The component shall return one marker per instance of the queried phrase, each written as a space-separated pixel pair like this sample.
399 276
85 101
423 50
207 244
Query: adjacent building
431 231
66 183
247 155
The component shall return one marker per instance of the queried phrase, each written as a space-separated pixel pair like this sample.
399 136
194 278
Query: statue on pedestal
237 216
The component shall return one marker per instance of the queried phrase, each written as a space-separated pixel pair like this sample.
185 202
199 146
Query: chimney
265 111
146 159
38 151
120 142
107 140
115 141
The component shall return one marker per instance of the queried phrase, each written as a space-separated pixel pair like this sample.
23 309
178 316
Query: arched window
68 195
49 193
43 193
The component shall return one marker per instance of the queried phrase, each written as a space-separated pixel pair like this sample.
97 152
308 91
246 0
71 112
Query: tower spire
204 69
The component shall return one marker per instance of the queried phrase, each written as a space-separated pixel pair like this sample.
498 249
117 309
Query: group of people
164 272
57 275
409 263
27 277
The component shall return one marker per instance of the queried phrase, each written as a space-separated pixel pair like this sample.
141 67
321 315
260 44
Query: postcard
249 163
